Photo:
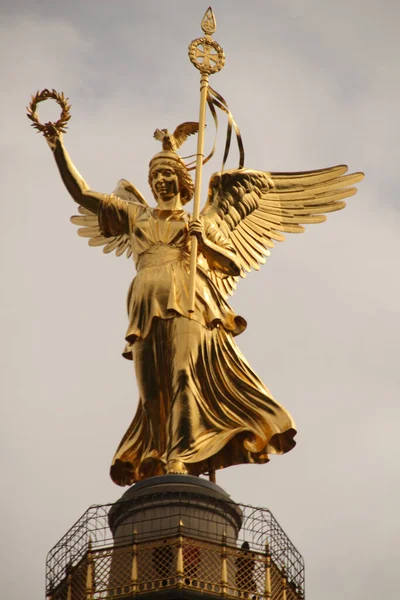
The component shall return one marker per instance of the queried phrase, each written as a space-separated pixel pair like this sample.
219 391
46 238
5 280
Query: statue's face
164 182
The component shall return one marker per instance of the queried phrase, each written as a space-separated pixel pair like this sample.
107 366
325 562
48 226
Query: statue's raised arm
74 182
97 210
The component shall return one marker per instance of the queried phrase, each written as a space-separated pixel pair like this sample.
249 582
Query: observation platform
175 536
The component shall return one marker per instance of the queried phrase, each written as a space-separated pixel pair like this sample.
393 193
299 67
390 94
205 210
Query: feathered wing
159 135
253 209
90 227
183 131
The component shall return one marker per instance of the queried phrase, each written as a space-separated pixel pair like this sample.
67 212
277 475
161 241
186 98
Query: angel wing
253 209
90 227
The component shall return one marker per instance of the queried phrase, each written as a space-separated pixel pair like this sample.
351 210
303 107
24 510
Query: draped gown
200 402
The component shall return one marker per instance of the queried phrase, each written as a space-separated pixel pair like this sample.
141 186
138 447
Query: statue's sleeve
116 216
215 235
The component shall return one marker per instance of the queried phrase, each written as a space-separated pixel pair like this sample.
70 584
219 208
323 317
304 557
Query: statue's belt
161 254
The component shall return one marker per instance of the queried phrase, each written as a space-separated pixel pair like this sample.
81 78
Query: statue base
175 536
159 506
176 527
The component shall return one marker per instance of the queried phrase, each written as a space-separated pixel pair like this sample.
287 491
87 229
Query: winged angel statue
201 405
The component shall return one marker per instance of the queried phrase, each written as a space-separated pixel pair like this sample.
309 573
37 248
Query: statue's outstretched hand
52 135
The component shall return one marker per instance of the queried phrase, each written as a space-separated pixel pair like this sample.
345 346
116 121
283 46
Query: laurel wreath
49 129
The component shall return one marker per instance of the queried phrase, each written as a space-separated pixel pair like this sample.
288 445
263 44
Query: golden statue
201 406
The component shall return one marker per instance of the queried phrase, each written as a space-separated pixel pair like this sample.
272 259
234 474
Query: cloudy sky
311 84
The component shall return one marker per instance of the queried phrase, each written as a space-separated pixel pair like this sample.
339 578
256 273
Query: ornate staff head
204 53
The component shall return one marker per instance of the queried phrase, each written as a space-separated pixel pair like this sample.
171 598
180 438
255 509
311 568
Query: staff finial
204 53
209 24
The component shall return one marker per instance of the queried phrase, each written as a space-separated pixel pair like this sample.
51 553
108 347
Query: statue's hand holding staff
197 228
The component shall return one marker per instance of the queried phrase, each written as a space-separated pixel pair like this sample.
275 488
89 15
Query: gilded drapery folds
201 407
200 402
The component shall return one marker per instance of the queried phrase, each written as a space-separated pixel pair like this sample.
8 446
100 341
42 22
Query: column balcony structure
175 536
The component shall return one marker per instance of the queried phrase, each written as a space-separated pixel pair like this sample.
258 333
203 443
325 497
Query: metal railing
261 565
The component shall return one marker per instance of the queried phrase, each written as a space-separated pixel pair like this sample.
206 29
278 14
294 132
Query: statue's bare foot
176 467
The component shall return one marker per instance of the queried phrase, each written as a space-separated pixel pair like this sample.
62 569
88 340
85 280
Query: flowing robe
200 402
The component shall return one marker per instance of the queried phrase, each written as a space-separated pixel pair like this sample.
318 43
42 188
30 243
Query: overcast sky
311 84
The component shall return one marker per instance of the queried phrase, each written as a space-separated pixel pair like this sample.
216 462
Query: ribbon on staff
214 101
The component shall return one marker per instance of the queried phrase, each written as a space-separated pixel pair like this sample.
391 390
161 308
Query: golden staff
208 57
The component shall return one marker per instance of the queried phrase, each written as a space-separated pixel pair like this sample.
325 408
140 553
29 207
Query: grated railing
262 564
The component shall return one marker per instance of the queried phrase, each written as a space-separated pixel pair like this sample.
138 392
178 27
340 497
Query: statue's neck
170 204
